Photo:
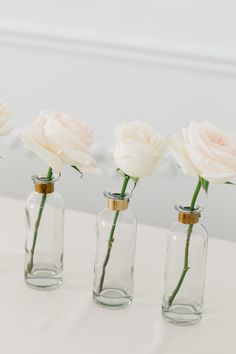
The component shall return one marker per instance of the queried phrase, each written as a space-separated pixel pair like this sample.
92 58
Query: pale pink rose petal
4 118
204 164
132 129
132 148
57 137
225 158
209 150
76 127
137 166
138 148
195 136
4 113
219 177
6 129
83 161
51 134
51 159
179 152
209 154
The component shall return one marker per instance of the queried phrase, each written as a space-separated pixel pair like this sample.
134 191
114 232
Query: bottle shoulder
36 198
108 214
177 227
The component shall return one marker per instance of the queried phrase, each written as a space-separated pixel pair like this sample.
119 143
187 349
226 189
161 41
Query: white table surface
67 321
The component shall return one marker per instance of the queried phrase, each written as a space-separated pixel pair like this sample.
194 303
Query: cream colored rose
59 139
206 151
138 149
5 114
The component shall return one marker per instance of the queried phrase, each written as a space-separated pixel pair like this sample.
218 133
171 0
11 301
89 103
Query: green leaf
234 184
78 170
204 184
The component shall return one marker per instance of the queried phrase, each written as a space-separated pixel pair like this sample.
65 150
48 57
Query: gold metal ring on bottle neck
44 188
189 218
117 205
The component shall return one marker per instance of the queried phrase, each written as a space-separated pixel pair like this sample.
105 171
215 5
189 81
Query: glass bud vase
185 268
44 236
116 242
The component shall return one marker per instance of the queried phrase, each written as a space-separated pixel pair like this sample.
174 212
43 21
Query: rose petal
179 152
83 161
6 129
51 159
137 166
138 148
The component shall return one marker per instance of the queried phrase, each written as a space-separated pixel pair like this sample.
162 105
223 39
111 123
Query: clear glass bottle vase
44 236
185 268
114 263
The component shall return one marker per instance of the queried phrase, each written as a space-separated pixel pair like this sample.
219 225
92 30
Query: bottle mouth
44 180
117 202
185 208
117 196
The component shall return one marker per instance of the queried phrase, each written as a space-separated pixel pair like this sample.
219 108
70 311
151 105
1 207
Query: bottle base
182 314
112 298
43 279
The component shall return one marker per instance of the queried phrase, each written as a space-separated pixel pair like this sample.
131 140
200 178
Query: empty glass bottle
185 268
114 264
44 236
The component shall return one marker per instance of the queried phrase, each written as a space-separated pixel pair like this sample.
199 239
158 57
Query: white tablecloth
67 321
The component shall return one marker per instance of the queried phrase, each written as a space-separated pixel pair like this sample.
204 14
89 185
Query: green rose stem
37 223
186 253
111 237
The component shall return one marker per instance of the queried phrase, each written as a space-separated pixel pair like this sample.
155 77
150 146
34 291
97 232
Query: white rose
138 148
206 151
5 114
59 139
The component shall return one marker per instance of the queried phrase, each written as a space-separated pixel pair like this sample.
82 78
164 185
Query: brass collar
44 188
116 202
189 218
119 205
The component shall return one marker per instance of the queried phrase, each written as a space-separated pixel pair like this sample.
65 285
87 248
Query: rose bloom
204 150
5 114
59 139
139 148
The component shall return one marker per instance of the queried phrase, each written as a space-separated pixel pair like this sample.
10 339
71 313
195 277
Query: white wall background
167 62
